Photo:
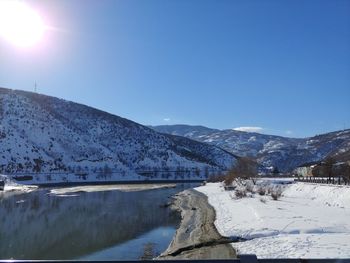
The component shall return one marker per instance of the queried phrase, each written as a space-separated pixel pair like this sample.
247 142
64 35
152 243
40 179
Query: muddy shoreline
197 237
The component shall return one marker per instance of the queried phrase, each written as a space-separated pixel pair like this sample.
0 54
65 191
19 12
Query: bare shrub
276 193
263 200
228 180
270 189
241 192
254 179
250 187
261 190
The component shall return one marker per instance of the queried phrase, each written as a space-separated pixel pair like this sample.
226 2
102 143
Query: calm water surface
87 225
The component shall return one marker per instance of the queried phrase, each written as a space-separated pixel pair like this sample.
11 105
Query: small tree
245 168
328 167
347 172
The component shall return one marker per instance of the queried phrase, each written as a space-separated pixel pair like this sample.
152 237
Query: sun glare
20 24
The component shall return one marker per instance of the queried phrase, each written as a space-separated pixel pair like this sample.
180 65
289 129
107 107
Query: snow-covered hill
40 134
271 151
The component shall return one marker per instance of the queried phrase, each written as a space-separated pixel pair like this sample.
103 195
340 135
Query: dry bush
269 190
228 179
276 193
263 200
251 195
262 190
241 192
249 186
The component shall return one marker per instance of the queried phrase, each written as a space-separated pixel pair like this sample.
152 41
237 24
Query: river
94 225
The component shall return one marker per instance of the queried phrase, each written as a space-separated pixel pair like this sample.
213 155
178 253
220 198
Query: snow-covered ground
308 221
102 188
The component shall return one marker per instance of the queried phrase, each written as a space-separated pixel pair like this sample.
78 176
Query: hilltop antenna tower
35 86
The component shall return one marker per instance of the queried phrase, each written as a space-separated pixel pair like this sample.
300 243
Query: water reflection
39 225
144 247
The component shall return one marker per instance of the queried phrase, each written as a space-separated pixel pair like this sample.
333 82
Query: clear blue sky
283 66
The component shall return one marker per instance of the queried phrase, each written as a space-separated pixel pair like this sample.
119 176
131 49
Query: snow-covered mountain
270 151
39 133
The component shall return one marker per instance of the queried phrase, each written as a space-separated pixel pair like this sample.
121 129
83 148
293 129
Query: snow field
308 220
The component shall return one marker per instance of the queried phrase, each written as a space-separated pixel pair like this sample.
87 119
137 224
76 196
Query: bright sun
20 24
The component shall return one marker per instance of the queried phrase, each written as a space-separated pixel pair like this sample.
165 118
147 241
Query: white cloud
289 132
166 119
249 129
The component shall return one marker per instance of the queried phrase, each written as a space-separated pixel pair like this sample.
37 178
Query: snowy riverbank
13 187
196 236
308 221
103 188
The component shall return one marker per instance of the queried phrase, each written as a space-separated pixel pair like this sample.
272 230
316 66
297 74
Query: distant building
321 169
304 171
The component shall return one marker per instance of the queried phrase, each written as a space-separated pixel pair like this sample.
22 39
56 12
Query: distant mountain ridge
39 133
271 151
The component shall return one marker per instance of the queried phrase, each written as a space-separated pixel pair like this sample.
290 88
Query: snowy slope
308 221
39 133
271 151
